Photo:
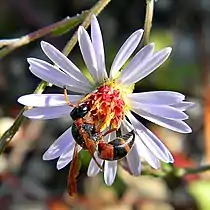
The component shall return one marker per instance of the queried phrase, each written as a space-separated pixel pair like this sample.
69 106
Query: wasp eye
84 107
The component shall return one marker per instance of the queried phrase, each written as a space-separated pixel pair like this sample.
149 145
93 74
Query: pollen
107 107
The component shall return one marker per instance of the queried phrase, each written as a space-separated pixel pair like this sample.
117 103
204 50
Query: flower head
111 98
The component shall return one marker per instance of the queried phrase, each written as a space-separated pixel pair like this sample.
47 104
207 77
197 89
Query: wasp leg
92 155
88 121
73 173
91 146
66 97
109 131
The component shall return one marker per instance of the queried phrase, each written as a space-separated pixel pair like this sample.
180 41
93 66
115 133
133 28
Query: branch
97 8
148 21
170 170
8 135
186 171
13 44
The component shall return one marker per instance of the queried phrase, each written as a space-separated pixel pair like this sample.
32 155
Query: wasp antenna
85 98
66 97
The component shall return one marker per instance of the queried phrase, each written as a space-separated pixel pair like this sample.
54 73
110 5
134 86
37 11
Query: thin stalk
24 40
148 21
97 8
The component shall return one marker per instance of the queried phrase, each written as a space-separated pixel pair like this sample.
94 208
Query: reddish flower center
107 107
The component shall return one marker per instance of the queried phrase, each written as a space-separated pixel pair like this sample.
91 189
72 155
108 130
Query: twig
176 172
97 8
186 171
148 21
5 42
16 43
7 136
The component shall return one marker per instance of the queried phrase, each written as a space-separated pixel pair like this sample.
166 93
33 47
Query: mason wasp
87 135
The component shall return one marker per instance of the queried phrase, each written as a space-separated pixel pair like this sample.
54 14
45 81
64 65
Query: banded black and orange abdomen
117 148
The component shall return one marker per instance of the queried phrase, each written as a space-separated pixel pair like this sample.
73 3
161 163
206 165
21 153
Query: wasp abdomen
117 148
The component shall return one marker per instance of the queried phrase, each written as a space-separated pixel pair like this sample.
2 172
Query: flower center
107 106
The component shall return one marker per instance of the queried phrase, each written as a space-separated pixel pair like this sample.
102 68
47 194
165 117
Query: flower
112 99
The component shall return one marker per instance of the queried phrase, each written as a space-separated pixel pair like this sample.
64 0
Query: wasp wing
73 173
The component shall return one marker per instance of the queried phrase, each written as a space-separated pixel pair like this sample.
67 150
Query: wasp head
80 111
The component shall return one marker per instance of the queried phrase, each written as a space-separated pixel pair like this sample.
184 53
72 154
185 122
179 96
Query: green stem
176 172
5 42
186 171
8 135
97 8
148 21
72 22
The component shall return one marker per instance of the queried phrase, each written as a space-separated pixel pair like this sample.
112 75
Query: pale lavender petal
110 170
64 63
45 113
88 52
133 157
133 67
134 162
110 137
53 75
170 157
47 100
146 68
124 164
156 97
175 125
93 169
185 105
110 167
150 140
98 46
163 111
66 140
125 52
143 151
66 157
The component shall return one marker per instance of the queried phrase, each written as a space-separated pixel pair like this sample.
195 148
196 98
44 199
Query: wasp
82 132
89 138
84 129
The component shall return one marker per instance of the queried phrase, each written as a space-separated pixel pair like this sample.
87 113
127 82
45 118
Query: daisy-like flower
111 97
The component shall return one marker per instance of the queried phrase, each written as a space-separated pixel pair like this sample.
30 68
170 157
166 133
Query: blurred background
29 183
